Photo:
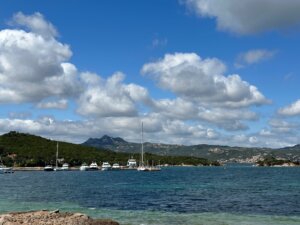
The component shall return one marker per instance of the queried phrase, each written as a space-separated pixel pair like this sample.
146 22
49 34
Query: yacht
48 168
84 167
105 166
142 166
116 166
4 169
65 167
131 163
93 166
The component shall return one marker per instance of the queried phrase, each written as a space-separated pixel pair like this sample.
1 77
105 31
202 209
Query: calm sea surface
179 195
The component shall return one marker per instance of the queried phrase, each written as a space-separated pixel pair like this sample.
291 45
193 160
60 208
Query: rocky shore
51 218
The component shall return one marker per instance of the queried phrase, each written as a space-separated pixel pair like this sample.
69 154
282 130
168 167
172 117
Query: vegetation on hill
21 149
271 161
211 152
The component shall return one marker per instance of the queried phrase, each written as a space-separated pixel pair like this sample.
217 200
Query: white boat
4 169
154 168
142 166
105 166
116 166
65 167
84 167
48 168
93 166
131 163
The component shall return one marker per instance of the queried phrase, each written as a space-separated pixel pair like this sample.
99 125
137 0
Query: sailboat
142 166
65 165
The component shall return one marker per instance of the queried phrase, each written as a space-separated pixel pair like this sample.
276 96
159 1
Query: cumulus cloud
59 104
290 110
33 67
253 56
180 109
283 126
35 23
111 97
190 77
248 16
126 127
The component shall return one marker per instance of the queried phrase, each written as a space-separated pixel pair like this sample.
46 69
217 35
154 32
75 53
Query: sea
227 195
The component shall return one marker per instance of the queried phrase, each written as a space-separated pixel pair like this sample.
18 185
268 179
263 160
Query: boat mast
142 141
56 164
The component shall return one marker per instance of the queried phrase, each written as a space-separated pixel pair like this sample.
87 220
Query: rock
51 218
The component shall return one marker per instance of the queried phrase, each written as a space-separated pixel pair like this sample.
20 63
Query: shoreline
24 169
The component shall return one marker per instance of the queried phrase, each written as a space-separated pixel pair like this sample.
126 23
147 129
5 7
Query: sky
193 71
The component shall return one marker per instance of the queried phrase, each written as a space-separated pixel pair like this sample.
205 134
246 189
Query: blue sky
194 71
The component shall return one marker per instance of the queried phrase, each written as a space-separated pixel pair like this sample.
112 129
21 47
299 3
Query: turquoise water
197 195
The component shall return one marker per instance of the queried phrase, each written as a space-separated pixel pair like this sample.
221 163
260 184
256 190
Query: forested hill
212 152
21 149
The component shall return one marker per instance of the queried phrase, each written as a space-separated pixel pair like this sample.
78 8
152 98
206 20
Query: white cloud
254 56
290 110
190 77
180 109
34 67
159 42
60 104
110 98
282 126
248 16
265 132
157 129
253 140
35 23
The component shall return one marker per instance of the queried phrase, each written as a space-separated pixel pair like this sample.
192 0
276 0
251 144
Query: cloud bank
248 16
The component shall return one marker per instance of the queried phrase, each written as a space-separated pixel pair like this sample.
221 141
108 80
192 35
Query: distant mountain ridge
211 152
105 141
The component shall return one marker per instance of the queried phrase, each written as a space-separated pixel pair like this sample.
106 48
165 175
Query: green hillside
21 149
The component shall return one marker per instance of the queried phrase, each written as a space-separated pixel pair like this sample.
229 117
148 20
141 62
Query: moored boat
93 166
4 169
84 167
105 166
116 166
142 166
65 167
48 168
131 163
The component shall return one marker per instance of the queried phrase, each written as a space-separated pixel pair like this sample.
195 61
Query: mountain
21 149
104 142
211 152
